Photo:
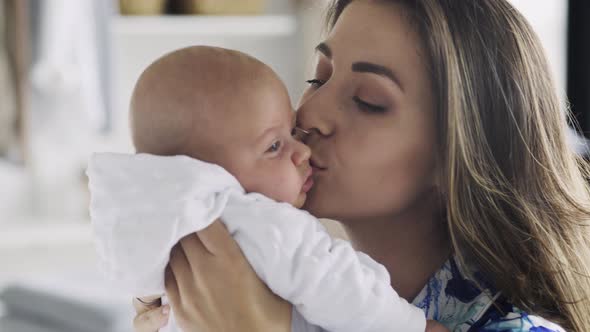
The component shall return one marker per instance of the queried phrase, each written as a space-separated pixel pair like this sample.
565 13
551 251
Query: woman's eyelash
299 134
363 105
315 82
368 107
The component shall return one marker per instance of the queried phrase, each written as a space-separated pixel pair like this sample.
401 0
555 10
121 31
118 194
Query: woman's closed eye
363 105
315 82
368 107
299 134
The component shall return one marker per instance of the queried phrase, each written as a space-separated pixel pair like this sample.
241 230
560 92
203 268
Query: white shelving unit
174 25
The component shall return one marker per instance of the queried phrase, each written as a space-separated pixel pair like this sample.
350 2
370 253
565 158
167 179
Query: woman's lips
317 169
316 166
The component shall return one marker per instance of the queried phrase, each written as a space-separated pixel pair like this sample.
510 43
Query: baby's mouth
308 183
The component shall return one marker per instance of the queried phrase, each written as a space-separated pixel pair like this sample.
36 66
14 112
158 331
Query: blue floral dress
458 304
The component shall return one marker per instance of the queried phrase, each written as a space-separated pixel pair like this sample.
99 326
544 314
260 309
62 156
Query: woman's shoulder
463 306
515 320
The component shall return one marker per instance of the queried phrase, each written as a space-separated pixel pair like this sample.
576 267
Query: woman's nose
301 153
314 114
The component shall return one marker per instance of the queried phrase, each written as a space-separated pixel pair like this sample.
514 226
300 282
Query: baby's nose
301 154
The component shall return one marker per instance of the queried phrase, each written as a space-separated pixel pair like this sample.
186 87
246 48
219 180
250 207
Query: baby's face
261 150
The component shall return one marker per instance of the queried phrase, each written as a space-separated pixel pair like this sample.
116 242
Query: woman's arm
211 287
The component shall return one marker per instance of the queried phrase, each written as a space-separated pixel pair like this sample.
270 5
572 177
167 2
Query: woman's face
370 110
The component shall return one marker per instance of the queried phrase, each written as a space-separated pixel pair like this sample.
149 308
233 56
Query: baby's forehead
254 119
260 115
230 84
239 76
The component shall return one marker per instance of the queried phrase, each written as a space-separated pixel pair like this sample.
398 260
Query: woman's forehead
377 33
373 28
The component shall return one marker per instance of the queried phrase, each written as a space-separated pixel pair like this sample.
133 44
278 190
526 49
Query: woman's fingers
152 320
226 290
182 270
218 241
171 285
193 249
434 326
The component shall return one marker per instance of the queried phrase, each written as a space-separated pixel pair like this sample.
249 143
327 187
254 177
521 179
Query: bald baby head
226 108
184 100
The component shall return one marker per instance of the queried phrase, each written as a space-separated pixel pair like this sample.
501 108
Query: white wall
549 20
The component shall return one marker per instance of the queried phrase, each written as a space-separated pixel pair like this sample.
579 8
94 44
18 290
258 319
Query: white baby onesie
142 205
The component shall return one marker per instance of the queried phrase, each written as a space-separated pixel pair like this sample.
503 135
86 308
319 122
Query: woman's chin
321 204
314 205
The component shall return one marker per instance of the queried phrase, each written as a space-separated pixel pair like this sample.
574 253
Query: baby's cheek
284 186
279 182
283 190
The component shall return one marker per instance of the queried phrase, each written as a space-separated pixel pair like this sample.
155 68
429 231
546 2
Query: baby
222 107
225 108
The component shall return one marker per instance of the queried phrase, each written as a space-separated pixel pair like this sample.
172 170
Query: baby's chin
300 200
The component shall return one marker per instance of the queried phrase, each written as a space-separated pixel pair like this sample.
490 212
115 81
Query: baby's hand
150 318
434 326
151 300
146 303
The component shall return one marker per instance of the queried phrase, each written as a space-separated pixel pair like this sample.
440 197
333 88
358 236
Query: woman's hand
433 326
150 318
212 287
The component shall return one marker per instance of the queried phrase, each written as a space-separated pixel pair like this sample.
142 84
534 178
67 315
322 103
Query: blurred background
67 69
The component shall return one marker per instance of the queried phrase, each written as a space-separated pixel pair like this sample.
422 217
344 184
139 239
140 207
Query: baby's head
227 108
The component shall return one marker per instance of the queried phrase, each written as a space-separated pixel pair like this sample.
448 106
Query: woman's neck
411 246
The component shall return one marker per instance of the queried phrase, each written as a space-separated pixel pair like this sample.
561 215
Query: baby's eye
274 147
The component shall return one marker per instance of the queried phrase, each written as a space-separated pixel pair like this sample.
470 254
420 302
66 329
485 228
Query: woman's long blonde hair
515 193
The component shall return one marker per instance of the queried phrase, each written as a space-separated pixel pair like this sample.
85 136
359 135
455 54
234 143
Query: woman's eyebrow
367 67
324 49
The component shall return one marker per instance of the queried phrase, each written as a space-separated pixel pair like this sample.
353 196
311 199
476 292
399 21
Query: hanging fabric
67 69
7 98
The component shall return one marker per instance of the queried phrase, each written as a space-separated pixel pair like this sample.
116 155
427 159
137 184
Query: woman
439 144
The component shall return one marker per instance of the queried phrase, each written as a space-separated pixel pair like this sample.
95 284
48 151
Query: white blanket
142 205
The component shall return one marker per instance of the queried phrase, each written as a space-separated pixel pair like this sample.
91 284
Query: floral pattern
461 306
